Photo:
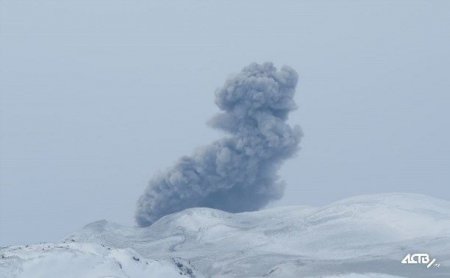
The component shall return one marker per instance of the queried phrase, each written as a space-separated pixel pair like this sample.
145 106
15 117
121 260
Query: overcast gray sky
98 96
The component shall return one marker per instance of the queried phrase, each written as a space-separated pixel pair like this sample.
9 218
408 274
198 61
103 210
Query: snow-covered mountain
365 236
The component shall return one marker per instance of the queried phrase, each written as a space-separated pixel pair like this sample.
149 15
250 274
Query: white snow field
365 236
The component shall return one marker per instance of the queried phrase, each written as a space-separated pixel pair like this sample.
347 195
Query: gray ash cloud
239 172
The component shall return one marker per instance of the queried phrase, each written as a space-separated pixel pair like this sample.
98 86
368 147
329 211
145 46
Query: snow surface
73 260
365 236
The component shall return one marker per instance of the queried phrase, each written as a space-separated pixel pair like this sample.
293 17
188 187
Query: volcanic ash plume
239 172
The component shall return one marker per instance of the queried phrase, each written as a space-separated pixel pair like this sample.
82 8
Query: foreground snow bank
364 236
76 260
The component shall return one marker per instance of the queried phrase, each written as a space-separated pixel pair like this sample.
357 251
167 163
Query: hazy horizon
99 96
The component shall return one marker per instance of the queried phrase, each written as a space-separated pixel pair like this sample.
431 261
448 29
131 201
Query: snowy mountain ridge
364 236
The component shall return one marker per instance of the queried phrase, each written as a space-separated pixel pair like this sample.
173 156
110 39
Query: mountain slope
74 260
365 235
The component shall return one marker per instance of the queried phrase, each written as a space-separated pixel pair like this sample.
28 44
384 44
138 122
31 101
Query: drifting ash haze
239 172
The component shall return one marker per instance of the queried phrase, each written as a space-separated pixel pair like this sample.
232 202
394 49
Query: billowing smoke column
239 172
